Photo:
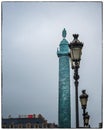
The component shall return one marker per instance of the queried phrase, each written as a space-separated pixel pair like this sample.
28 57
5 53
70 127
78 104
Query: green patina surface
64 112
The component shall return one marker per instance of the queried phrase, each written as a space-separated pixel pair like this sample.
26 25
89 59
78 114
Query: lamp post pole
76 77
84 111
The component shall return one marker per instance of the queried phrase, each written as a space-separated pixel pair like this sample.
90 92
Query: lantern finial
75 36
83 91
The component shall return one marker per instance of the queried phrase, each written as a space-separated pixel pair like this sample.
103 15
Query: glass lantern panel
76 53
83 101
86 120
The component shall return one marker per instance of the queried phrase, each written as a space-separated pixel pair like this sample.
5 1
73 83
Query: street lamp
83 100
75 54
87 117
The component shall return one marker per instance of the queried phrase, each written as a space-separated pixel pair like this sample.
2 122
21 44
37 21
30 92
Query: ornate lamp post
83 100
75 54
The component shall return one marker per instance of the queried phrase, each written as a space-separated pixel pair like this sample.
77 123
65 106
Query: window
36 126
20 126
28 125
45 125
11 126
4 126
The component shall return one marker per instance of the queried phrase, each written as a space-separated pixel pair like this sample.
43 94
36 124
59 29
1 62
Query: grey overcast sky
31 33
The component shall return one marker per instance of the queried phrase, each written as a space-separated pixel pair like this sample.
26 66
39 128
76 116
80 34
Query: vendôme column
64 108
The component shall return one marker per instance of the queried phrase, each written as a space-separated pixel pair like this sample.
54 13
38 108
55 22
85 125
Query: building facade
64 110
30 121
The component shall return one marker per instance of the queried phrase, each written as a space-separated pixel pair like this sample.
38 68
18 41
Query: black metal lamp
87 117
75 55
83 99
75 49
